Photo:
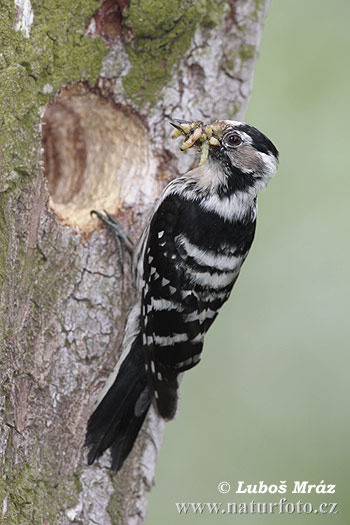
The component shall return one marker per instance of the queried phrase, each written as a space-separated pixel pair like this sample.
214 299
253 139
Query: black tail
118 418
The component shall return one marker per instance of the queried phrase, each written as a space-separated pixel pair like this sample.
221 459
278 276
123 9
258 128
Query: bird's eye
233 139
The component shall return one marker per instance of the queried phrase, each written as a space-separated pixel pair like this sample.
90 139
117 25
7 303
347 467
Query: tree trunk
84 102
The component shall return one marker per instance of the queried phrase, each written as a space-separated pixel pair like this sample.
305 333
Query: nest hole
96 156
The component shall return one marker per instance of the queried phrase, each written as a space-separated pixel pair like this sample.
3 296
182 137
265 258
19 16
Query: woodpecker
186 263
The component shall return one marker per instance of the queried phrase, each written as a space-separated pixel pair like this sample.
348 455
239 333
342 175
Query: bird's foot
121 238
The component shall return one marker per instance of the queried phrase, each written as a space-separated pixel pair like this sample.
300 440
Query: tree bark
86 93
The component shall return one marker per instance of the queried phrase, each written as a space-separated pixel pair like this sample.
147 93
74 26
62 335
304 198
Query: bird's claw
121 238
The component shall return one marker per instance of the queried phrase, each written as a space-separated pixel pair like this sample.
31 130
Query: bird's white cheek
269 164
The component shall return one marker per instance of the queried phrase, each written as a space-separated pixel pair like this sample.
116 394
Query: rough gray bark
64 302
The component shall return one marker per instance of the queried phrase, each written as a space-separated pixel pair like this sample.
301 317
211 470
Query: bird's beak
183 127
175 125
195 132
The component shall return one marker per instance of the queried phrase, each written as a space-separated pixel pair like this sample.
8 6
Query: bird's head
243 157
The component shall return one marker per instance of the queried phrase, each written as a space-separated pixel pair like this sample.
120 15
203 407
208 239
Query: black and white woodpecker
186 263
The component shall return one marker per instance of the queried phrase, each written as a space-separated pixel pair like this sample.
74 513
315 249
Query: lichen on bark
32 69
161 41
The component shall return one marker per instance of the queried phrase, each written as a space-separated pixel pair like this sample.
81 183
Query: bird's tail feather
118 418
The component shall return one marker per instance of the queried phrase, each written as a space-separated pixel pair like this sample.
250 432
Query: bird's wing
172 311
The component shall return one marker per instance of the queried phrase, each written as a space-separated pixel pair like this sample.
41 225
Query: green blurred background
270 399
